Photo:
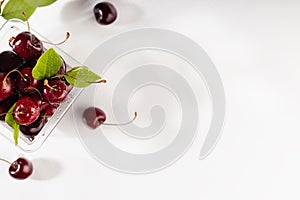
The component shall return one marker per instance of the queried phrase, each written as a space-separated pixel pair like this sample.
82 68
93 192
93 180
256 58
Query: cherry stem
46 83
59 43
10 40
14 70
33 88
26 19
1 159
122 124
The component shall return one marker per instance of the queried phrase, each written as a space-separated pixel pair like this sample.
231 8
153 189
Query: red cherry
21 168
26 111
6 86
27 45
55 91
26 83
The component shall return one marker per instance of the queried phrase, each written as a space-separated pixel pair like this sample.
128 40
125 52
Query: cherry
94 117
48 111
54 90
26 83
9 61
27 45
6 104
26 111
105 13
6 86
19 169
34 128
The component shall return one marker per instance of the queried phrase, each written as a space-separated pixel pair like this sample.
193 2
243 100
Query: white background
255 46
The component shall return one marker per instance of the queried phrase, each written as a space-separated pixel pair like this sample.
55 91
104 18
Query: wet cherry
55 90
27 45
26 111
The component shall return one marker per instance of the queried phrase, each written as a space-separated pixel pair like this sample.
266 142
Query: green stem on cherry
26 20
122 124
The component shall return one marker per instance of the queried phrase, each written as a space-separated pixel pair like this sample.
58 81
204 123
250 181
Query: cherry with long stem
20 168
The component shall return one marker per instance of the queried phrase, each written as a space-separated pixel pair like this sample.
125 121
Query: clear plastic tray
12 28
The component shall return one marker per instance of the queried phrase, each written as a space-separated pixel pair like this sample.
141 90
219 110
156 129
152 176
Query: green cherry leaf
47 65
39 3
81 77
15 8
9 119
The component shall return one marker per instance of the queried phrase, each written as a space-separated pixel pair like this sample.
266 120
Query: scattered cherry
105 13
94 117
20 169
26 111
27 45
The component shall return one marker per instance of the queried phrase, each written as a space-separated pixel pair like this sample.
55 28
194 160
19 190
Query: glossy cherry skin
26 111
34 128
9 61
21 168
57 92
27 45
105 13
93 117
6 87
29 84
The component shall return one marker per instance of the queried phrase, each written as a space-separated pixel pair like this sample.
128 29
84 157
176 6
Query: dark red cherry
6 104
9 61
55 91
26 83
26 111
49 111
21 168
6 86
93 117
27 45
34 128
105 13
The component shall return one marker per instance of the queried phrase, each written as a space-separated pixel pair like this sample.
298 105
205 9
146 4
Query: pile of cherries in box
34 101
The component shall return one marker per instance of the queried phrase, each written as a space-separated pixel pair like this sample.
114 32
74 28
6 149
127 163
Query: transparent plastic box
12 28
